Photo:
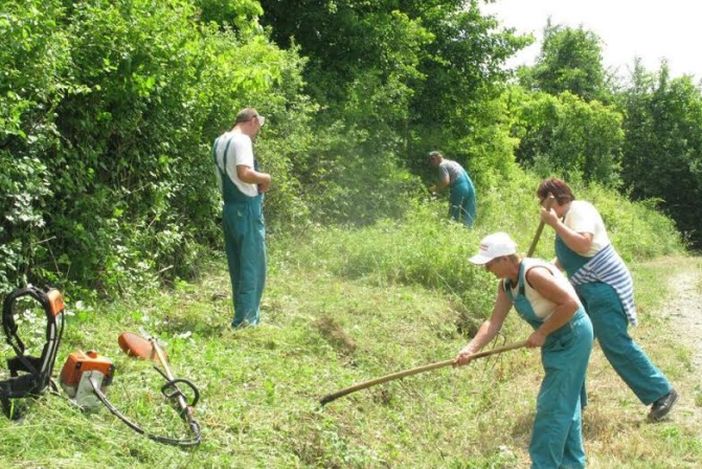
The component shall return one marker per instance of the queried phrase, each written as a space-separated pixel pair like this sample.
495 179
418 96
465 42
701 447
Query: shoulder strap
531 266
507 284
36 370
223 169
507 287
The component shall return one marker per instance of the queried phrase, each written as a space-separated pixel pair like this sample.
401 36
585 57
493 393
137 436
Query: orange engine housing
79 362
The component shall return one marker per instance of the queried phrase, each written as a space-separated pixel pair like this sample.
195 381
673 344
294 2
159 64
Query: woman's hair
557 188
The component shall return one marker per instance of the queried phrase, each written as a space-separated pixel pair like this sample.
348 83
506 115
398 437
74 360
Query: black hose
194 426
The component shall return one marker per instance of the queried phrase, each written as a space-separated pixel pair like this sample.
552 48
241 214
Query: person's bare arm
546 285
578 242
250 176
441 184
488 330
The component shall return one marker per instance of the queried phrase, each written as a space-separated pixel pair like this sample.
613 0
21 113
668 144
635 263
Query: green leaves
663 148
568 136
107 110
242 15
571 60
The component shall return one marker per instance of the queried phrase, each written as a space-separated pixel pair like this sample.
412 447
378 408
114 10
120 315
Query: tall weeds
427 249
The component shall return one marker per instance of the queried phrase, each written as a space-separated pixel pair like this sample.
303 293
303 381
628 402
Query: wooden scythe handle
414 371
549 204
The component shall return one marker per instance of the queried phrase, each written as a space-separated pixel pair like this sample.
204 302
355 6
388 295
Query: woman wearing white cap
544 298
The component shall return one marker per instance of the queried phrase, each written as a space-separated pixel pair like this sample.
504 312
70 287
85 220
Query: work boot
662 406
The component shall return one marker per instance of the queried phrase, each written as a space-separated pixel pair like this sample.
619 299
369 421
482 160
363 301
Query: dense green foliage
561 121
108 111
663 147
570 60
394 80
563 134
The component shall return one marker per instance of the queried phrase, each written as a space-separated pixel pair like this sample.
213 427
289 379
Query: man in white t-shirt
242 188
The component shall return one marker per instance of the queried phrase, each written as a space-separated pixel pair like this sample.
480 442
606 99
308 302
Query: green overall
244 243
556 440
462 200
610 325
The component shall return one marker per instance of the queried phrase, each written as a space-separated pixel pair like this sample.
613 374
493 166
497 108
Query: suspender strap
223 169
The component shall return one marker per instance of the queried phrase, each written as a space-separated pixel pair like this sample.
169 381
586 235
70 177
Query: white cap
492 246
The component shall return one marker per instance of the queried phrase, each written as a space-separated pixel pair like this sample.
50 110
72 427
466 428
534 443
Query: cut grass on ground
322 332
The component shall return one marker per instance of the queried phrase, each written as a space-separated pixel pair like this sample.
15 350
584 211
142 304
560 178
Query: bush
108 113
568 135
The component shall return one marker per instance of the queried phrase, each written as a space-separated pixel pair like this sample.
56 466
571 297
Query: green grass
261 385
344 306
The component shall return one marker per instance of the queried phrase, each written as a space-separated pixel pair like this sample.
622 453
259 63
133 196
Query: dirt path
684 309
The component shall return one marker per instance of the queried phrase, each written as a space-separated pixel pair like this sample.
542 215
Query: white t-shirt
240 153
543 307
583 217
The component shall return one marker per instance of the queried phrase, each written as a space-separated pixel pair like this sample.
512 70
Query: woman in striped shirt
605 288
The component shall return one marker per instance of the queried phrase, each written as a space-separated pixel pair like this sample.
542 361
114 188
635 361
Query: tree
570 60
566 135
663 147
398 78
458 106
107 113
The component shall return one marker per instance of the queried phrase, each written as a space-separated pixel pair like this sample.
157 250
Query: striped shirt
607 267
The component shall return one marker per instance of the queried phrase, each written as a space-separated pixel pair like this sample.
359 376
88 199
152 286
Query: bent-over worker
542 297
461 190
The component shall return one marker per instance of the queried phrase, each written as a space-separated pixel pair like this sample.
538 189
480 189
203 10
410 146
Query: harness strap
36 371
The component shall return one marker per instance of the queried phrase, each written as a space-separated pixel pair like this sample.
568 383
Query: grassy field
343 307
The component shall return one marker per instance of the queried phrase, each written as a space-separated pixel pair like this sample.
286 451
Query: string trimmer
85 376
